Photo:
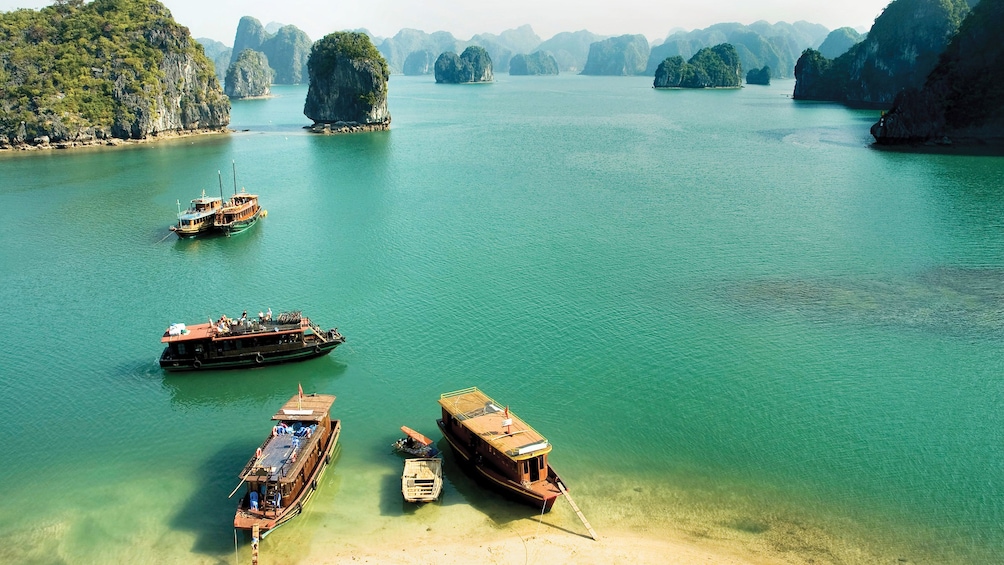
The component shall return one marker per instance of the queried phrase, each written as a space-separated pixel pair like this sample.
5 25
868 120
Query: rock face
407 41
624 55
419 63
110 68
473 65
219 54
249 76
900 51
536 63
711 67
287 49
962 99
348 84
839 41
758 44
758 76
570 49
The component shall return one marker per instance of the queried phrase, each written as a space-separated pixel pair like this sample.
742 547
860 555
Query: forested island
348 84
76 73
473 65
711 67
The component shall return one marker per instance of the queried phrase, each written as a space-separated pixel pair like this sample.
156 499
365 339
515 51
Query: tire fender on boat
317 349
197 364
259 358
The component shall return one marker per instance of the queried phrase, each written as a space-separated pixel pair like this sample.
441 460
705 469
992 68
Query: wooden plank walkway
575 507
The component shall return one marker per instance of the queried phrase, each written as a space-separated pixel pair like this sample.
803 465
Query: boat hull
246 359
240 225
509 488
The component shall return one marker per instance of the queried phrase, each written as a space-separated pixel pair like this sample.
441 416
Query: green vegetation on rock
962 99
758 76
287 49
473 65
900 51
348 81
249 76
711 67
108 68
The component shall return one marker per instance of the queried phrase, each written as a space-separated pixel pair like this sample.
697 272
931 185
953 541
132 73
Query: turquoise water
726 311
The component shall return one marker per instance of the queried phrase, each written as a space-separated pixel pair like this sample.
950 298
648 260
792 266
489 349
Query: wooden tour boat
501 449
199 218
284 471
422 479
415 444
239 213
228 343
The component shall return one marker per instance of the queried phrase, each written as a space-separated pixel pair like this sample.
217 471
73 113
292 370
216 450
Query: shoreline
113 141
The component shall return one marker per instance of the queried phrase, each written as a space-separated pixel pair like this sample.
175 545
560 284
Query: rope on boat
237 557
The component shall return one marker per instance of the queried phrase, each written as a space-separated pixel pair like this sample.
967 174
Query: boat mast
234 163
221 184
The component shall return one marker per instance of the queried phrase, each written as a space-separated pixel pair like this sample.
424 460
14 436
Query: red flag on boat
299 400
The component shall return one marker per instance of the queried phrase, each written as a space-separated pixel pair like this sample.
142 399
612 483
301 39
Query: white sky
218 19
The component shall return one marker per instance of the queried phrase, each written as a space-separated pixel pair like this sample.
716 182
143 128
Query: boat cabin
285 468
494 436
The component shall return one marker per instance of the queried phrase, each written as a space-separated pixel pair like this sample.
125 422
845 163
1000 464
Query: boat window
181 349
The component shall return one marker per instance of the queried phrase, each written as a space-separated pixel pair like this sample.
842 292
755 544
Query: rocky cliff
287 49
623 55
473 65
76 72
570 49
419 63
249 76
219 54
901 49
962 100
536 63
348 84
839 41
711 67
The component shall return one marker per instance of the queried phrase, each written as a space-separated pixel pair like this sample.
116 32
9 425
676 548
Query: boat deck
477 412
422 480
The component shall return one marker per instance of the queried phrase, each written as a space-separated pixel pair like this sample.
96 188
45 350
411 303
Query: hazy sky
654 18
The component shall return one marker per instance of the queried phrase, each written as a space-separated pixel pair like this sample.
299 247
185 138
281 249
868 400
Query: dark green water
726 311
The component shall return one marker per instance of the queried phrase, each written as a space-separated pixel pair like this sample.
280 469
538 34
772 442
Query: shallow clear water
725 310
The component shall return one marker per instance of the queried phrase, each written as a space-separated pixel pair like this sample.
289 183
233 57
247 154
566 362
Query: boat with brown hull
500 449
230 344
199 218
284 472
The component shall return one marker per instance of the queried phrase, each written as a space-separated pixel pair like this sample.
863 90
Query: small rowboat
422 480
414 443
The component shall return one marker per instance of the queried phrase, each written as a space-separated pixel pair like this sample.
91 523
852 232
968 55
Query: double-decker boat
284 471
199 218
230 343
240 212
501 449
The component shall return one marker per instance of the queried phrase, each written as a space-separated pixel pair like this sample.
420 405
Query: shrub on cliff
711 67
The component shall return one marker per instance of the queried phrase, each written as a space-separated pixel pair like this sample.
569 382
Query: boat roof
480 414
209 331
312 408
